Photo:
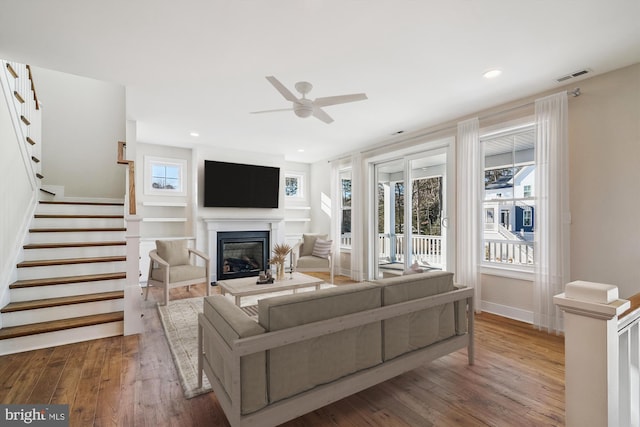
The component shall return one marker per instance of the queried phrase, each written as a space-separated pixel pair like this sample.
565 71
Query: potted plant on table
280 252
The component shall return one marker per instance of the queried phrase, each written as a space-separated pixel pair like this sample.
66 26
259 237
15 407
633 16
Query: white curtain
357 216
336 214
552 217
470 180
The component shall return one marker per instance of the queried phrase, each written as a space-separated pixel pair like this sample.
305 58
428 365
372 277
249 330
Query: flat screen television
236 185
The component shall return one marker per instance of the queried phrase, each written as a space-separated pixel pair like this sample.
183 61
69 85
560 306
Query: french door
412 206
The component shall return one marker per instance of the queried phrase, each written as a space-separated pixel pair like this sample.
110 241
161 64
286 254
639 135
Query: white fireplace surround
275 227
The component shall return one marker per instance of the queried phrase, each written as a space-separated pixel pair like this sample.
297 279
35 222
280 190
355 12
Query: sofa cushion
301 366
418 329
308 243
232 323
174 252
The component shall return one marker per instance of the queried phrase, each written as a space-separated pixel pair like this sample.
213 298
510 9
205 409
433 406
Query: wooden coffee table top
247 286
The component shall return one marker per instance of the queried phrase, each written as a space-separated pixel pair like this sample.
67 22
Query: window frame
345 175
505 269
299 195
149 164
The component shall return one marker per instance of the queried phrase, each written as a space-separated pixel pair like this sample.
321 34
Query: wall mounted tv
235 185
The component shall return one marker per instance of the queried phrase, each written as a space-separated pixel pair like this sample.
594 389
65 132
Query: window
164 176
293 186
345 208
509 187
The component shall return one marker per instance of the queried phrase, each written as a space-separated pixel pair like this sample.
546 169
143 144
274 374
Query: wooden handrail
635 304
132 181
33 87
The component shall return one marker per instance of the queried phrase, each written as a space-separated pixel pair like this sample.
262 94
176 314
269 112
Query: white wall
604 152
17 192
320 173
82 122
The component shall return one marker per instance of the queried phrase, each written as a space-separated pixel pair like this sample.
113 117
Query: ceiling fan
304 107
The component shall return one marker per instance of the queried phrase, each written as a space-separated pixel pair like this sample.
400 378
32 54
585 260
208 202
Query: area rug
180 322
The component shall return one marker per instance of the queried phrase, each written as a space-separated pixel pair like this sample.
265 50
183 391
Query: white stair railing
629 368
19 88
602 348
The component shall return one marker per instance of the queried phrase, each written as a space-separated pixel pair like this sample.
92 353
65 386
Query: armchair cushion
322 248
309 242
180 273
312 262
174 252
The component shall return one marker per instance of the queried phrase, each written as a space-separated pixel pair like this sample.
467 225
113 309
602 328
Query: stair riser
77 222
66 290
61 312
78 252
68 336
70 270
79 210
64 237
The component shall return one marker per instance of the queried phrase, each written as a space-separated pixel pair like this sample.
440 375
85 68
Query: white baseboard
507 311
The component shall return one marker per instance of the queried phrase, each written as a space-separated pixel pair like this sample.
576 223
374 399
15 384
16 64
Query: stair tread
62 202
67 261
66 280
55 302
74 216
71 230
58 325
73 244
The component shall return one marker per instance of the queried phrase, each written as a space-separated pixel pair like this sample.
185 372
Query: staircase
70 285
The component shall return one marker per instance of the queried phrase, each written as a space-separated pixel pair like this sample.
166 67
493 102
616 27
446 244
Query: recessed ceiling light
194 134
300 150
492 74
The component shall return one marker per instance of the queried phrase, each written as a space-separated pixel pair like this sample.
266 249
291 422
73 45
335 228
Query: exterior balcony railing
426 249
515 252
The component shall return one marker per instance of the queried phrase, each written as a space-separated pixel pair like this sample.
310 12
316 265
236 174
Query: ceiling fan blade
280 88
320 114
340 99
271 111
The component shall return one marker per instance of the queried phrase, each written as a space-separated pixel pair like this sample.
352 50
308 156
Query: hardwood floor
518 379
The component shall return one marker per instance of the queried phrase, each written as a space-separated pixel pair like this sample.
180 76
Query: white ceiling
199 65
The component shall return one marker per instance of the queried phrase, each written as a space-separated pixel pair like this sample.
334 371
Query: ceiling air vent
573 75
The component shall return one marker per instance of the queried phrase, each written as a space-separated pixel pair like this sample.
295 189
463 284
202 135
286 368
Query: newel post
591 352
132 291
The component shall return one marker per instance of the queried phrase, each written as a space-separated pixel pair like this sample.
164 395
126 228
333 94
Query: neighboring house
517 217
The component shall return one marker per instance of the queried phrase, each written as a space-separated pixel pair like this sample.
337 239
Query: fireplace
241 253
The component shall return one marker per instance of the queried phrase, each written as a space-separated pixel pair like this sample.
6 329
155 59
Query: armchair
313 253
170 266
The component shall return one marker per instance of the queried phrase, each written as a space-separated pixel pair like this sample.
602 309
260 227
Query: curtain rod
574 93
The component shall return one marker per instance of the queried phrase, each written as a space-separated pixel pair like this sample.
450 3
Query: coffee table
246 286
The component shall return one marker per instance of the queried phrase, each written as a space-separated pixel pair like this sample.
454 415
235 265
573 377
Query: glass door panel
390 219
428 210
411 218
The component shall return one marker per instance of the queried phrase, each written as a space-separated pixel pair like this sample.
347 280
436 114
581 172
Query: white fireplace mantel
275 227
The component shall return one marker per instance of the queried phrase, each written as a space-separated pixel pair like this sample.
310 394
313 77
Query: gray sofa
310 349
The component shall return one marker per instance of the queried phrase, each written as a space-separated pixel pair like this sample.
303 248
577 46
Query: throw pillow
414 269
322 248
308 243
175 252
